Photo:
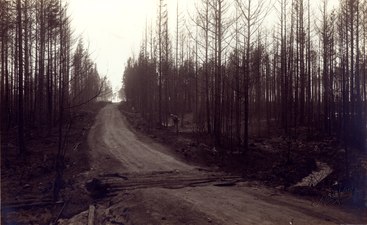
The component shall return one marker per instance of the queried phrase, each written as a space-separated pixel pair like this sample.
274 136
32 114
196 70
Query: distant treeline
239 78
42 79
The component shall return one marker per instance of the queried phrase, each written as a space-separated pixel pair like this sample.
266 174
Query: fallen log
13 206
117 175
227 184
173 184
59 214
76 146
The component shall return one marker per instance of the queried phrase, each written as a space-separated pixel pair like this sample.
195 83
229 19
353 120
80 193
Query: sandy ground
116 148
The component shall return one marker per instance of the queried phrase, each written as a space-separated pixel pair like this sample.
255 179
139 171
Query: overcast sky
112 30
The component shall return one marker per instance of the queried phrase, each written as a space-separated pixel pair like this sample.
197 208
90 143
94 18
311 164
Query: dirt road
111 138
159 189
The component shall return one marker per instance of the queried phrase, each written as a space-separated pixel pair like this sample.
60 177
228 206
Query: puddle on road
315 177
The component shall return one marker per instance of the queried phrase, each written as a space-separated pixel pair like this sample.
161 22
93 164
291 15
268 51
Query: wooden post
92 208
175 121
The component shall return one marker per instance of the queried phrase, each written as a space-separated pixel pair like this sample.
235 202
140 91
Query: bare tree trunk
218 74
208 114
41 67
160 42
21 144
